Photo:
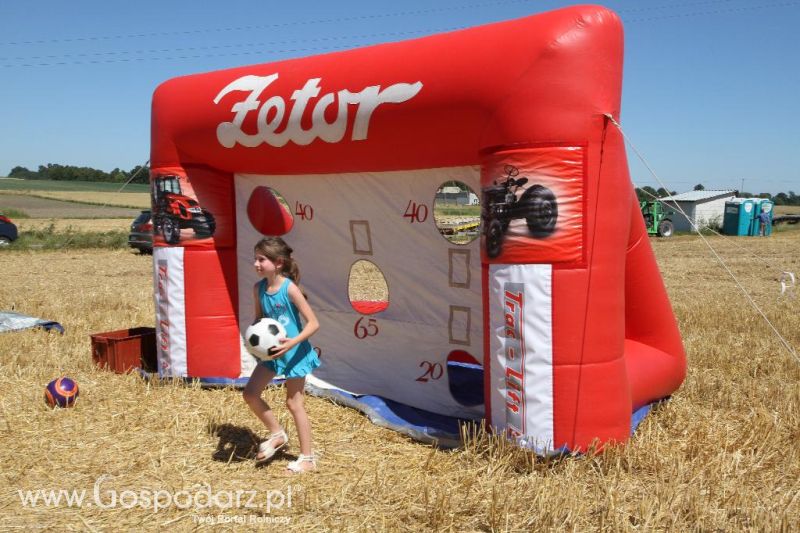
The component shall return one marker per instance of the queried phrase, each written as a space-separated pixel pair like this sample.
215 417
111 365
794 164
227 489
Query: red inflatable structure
559 306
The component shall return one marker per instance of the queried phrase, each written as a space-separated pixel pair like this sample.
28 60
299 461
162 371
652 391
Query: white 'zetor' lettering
272 112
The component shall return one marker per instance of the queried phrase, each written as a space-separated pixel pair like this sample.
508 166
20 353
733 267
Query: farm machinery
173 211
788 219
657 218
537 205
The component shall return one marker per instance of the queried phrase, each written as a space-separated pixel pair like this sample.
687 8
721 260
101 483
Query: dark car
8 231
141 235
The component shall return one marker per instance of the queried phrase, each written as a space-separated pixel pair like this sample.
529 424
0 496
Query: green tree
23 173
58 172
650 192
699 187
141 173
118 176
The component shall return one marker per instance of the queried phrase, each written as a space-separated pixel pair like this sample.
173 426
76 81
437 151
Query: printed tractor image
537 205
173 211
657 218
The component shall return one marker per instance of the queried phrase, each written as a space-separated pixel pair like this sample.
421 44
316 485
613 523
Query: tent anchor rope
787 277
141 167
747 295
697 229
118 190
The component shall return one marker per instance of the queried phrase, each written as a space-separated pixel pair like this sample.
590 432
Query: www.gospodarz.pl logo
199 498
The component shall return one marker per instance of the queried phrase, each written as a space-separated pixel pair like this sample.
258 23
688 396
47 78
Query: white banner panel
521 353
169 295
435 304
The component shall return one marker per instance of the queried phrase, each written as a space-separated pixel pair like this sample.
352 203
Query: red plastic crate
125 349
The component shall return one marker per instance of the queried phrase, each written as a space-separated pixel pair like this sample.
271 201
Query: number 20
433 371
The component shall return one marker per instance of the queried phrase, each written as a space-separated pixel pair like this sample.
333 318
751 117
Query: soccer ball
261 337
61 392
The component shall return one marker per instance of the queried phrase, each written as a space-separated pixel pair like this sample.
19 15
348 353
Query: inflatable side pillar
654 353
575 346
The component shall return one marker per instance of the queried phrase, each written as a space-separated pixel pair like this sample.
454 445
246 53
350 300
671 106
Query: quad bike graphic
537 205
173 211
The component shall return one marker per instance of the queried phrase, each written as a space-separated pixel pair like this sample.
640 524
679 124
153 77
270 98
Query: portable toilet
739 216
759 207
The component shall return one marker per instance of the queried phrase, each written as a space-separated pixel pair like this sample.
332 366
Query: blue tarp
10 321
424 426
418 424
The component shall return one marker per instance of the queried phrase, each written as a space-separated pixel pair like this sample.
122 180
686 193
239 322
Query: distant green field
787 209
442 209
51 185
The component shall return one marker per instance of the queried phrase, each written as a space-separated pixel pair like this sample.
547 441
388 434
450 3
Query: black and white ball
261 337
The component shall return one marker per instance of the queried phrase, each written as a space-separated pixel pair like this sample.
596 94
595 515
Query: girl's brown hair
274 248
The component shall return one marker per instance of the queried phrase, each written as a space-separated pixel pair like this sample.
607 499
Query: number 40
416 212
304 211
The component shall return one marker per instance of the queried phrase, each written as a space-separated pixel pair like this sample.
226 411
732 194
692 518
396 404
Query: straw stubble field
721 455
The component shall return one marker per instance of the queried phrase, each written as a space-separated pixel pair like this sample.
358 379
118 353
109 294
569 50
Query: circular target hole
465 378
457 212
269 212
367 288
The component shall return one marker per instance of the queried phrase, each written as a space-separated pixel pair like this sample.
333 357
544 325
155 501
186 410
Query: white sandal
268 450
295 467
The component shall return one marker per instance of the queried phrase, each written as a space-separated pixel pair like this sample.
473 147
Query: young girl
277 296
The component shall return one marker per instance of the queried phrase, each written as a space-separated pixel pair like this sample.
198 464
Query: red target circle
267 214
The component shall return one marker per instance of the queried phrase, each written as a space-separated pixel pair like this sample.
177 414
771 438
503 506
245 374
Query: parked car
141 235
8 231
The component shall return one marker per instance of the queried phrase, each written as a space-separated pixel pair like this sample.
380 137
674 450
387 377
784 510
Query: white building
454 195
704 208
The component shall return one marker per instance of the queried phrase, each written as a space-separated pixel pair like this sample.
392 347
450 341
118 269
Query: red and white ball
61 392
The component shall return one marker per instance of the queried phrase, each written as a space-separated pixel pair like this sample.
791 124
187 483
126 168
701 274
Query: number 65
362 331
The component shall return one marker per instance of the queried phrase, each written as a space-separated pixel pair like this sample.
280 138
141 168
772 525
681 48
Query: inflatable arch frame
561 302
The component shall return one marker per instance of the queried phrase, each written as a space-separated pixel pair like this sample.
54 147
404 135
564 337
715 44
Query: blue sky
711 92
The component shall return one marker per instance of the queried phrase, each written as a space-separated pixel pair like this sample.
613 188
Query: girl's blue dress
300 360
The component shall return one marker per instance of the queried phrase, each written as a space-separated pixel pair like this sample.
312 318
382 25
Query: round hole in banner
465 378
269 212
457 212
367 288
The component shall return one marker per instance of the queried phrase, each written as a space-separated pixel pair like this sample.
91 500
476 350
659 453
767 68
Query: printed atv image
174 211
537 205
